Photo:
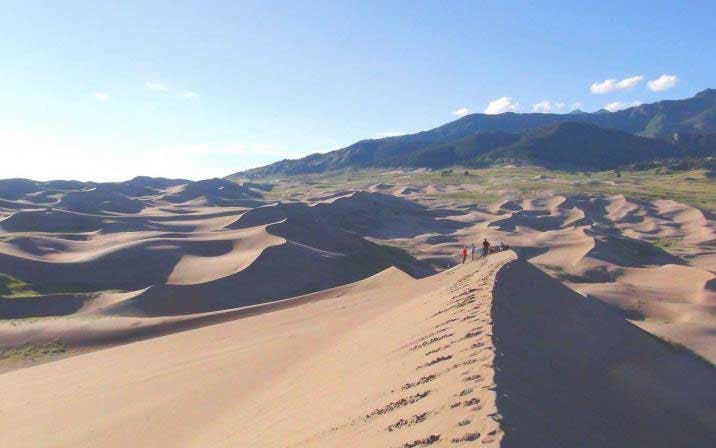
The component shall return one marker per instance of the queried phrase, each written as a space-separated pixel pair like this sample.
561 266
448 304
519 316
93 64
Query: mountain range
578 140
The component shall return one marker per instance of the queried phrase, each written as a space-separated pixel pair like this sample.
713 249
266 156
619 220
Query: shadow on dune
711 285
528 252
534 219
313 259
615 248
570 372
42 306
135 266
367 214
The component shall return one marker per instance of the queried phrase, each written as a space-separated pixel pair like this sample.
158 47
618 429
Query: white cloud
615 106
611 85
102 96
543 107
663 82
461 112
501 105
190 95
546 106
157 86
389 134
576 105
619 105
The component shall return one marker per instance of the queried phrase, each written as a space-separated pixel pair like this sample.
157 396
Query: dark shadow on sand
570 372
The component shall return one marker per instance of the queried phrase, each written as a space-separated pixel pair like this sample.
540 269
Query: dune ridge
213 245
194 247
494 352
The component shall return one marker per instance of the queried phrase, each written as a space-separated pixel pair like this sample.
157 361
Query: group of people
487 249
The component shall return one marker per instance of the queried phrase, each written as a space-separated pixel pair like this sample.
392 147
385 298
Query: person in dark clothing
464 254
485 248
473 251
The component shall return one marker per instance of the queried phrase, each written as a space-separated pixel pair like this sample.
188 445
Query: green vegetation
665 243
694 187
472 197
32 351
12 287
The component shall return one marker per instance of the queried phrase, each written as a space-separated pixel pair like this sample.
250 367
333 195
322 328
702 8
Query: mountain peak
706 93
469 139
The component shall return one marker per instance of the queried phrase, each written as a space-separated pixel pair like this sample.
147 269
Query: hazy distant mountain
469 139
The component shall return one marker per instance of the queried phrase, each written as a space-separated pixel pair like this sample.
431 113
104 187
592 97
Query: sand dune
247 246
370 214
195 247
150 248
214 192
494 352
598 244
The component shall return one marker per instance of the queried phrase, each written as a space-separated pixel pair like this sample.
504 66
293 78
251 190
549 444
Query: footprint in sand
435 361
490 436
422 442
396 404
430 341
464 392
468 437
449 321
472 402
414 420
422 380
476 378
435 350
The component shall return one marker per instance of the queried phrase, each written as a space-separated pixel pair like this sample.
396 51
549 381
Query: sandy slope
189 248
493 352
654 260
175 250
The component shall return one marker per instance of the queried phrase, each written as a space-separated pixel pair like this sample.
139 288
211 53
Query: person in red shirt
464 254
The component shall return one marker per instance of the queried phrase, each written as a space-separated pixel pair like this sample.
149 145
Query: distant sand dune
651 259
192 247
163 248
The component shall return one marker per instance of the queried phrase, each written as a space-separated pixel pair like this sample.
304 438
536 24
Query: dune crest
494 352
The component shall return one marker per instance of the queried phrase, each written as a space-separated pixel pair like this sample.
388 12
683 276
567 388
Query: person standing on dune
472 255
485 248
464 254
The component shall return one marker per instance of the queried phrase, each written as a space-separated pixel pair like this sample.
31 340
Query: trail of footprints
459 343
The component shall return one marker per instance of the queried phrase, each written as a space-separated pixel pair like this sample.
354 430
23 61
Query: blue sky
110 90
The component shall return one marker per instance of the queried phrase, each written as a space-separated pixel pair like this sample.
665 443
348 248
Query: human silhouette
485 248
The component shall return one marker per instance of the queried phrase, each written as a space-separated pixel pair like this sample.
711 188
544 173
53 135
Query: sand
152 248
203 314
192 247
652 260
493 352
